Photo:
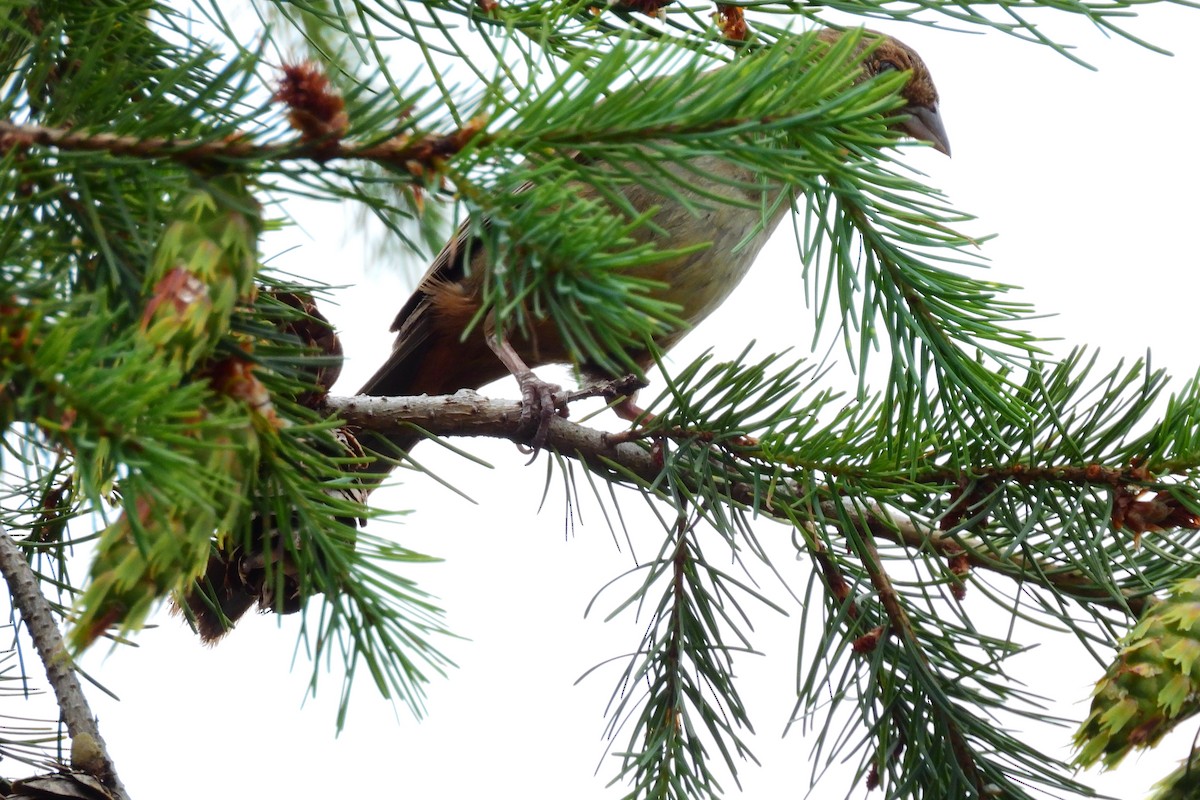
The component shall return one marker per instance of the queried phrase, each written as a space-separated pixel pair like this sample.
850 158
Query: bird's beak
925 123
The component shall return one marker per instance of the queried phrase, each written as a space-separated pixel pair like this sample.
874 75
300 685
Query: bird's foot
540 402
623 399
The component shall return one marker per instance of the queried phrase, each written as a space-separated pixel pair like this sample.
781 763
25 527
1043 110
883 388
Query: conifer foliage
170 438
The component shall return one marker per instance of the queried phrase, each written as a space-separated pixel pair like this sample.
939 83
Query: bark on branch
88 752
468 413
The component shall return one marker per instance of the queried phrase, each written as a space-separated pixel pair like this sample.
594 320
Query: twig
88 752
403 151
902 627
1070 582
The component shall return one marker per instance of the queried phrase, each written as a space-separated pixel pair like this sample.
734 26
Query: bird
431 356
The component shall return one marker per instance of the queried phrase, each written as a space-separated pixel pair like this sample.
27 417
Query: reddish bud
1143 511
180 290
316 110
651 8
868 641
235 378
731 20
959 565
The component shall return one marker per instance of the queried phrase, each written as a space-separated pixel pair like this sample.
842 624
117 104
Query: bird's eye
885 66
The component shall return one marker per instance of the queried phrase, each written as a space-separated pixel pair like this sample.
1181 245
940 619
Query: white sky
1091 180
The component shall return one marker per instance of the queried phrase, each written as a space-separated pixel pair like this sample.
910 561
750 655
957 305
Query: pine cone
319 335
1152 686
1182 784
56 786
262 569
204 267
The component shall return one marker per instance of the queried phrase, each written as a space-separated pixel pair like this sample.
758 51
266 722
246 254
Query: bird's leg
627 408
622 397
539 400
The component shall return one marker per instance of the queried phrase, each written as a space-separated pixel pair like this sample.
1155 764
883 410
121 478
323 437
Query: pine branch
88 752
901 627
470 414
124 106
884 525
417 154
660 20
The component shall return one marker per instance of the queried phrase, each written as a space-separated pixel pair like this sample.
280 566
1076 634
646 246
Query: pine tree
169 428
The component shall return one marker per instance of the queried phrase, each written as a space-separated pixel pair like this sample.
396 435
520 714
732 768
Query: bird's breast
699 282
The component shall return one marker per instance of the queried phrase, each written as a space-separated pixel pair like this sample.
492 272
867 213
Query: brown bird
431 357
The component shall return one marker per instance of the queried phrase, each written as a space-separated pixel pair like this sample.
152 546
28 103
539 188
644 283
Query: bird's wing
412 324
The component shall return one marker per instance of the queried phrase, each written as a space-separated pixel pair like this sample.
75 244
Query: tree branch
88 752
468 413
401 150
882 524
901 626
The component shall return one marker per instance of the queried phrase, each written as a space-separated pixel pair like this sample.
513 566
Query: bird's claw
540 401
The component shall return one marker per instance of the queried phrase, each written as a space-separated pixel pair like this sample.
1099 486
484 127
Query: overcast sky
1090 178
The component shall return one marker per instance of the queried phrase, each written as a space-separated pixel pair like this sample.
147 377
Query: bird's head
922 120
